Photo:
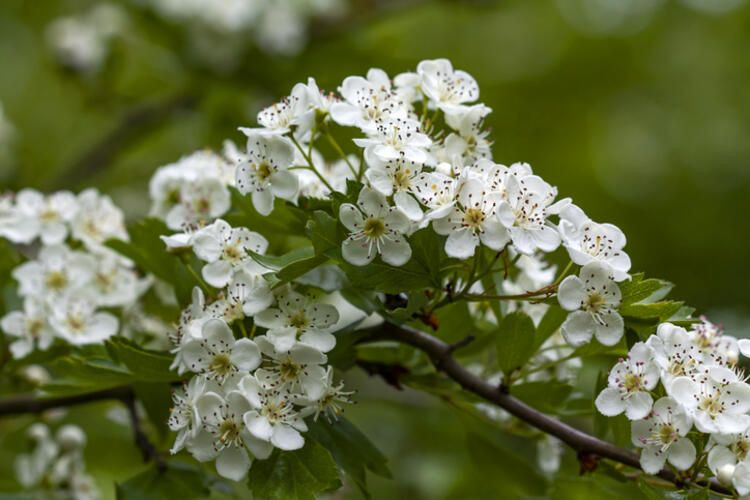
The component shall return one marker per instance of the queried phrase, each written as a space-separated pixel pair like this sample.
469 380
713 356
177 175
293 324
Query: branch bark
585 445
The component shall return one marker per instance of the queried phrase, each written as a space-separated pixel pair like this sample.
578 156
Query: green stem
206 289
335 145
309 161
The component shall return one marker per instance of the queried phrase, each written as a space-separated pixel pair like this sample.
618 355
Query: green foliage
547 396
351 450
294 475
638 289
514 341
179 480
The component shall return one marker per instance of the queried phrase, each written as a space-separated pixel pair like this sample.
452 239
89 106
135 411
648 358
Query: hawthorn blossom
675 352
592 299
296 370
299 317
437 192
367 101
330 402
528 204
246 294
272 417
713 346
28 329
629 384
397 178
114 284
375 228
52 213
264 173
717 399
446 87
97 220
56 270
225 249
217 354
729 450
75 319
397 138
587 241
469 142
200 201
473 220
184 418
662 437
225 437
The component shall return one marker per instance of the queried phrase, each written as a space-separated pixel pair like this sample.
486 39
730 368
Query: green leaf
548 396
427 251
294 475
351 450
274 263
661 311
179 480
284 220
144 364
553 318
76 375
637 289
324 232
514 341
157 401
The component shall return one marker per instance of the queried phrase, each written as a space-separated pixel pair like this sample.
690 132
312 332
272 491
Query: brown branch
20 405
587 446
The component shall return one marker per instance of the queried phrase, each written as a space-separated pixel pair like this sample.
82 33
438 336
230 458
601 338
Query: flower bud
38 432
725 474
71 437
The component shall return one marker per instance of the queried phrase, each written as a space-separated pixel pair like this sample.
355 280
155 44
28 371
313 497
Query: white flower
528 204
375 228
446 87
246 295
280 117
56 270
272 417
29 328
225 436
587 241
97 220
437 192
190 327
217 354
593 297
264 173
469 143
76 320
367 102
661 435
397 178
226 249
472 220
674 352
14 225
298 317
295 371
53 213
201 200
397 138
717 399
629 384
183 417
729 449
329 403
549 452
715 347
113 284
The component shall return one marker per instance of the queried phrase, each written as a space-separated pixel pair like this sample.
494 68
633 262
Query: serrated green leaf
661 311
427 251
294 475
551 321
324 233
514 341
179 480
277 263
637 289
143 364
76 375
351 450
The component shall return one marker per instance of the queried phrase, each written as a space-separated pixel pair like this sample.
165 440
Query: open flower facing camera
372 227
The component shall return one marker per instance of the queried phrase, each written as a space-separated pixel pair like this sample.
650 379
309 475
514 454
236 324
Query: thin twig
148 450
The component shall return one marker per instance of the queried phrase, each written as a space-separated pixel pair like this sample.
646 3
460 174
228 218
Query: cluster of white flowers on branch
698 382
415 220
55 468
73 283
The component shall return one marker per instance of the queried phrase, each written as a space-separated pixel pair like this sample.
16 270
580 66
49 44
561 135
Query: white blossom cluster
252 394
278 26
73 277
82 42
679 380
55 467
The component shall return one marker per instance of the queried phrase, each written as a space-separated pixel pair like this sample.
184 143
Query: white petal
638 405
683 390
357 252
609 402
286 438
578 328
461 244
233 463
652 459
258 426
217 274
350 217
571 293
612 330
263 201
396 251
682 454
284 184
245 355
408 205
210 408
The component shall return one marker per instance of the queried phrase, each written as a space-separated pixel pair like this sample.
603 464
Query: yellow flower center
374 228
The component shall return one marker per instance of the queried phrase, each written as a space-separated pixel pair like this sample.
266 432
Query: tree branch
20 405
588 447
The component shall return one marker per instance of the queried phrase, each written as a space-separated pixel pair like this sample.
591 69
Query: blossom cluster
73 277
55 467
679 380
278 26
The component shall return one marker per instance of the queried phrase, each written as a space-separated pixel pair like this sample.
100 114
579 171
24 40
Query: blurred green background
638 109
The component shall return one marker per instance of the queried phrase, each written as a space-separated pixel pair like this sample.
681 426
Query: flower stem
308 159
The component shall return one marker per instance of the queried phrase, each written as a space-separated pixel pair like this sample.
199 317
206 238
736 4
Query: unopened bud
71 437
725 474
